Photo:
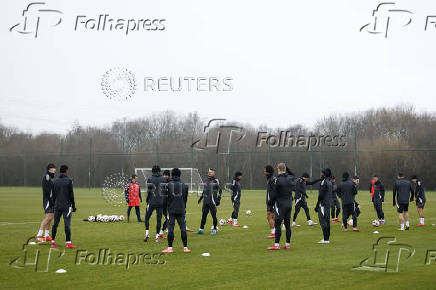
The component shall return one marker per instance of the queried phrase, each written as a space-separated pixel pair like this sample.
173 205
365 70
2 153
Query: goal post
191 176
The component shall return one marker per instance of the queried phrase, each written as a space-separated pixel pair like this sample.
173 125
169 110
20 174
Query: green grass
239 258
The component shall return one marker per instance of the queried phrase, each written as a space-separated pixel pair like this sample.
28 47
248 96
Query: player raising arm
301 195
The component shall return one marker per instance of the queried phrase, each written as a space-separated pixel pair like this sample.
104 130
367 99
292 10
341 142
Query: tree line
381 141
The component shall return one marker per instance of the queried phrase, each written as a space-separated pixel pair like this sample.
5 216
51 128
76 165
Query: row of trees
383 142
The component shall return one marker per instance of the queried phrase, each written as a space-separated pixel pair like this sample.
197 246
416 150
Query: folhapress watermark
38 16
105 256
213 132
40 257
287 139
387 254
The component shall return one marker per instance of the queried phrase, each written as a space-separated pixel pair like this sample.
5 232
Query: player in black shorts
47 204
402 192
419 194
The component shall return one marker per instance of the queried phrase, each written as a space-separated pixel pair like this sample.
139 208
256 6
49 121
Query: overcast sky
291 61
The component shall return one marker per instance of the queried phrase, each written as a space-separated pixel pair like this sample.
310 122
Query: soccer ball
248 212
91 218
375 223
350 222
222 222
121 217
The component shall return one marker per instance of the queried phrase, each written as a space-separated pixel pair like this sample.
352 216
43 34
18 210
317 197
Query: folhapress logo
35 17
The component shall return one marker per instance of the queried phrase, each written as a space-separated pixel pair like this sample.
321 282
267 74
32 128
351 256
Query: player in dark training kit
300 197
155 201
177 196
402 193
268 171
323 205
281 200
47 204
236 189
347 191
419 194
336 205
64 205
166 174
377 191
212 197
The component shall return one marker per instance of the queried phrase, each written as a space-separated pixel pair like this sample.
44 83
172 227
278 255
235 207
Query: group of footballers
167 195
279 201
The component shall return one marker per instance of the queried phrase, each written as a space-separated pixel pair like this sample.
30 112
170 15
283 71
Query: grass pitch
238 257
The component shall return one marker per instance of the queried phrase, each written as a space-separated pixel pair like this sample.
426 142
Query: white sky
292 61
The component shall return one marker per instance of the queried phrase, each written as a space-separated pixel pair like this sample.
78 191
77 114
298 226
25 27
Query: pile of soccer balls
105 218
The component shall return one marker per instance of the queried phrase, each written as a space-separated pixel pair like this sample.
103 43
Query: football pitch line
12 224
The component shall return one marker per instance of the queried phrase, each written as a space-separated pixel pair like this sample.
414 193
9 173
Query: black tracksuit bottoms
324 221
181 220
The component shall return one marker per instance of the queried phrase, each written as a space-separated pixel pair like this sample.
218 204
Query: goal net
190 176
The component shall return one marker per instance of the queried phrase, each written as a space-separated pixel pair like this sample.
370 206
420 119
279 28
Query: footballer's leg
338 210
158 221
148 213
171 223
421 216
270 217
400 216
306 210
345 215
235 213
297 210
205 212
181 220
67 223
165 223
278 232
57 218
420 205
287 220
138 213
406 218
49 218
129 209
324 220
213 211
